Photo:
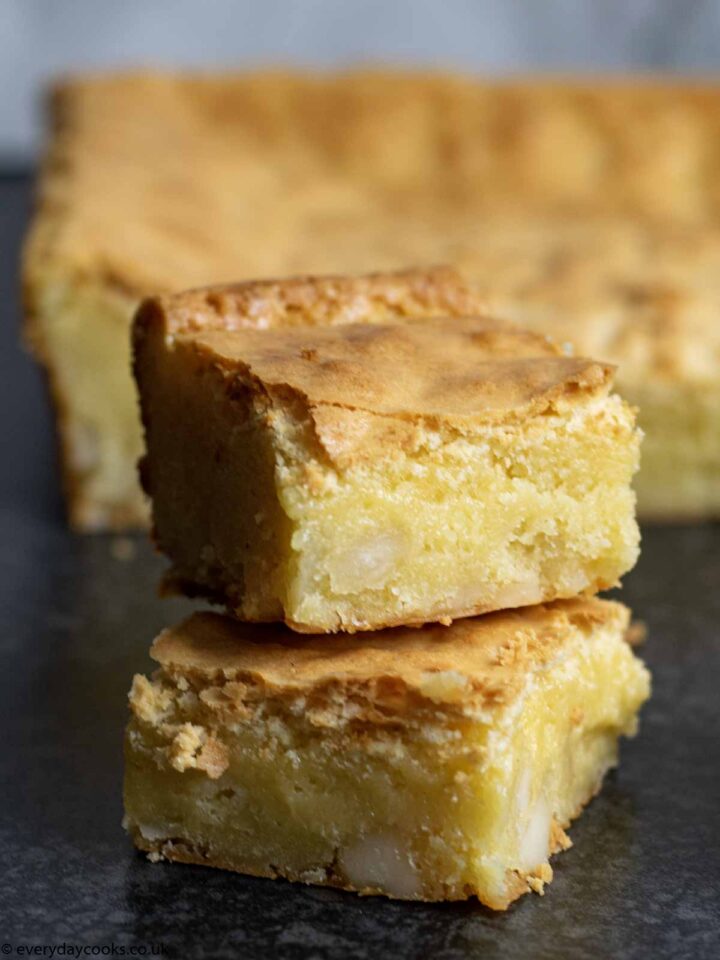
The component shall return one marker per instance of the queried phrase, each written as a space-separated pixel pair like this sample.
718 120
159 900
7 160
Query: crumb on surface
637 633
123 549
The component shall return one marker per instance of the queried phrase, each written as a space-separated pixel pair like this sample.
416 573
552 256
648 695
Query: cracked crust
459 371
478 662
338 354
215 321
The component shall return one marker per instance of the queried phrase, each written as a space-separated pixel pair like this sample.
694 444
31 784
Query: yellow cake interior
448 800
505 518
83 332
680 476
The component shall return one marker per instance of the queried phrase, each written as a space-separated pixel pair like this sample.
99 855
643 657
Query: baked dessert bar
648 298
435 763
356 475
274 174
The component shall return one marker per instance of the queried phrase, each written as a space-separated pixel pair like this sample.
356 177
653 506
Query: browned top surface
450 369
349 343
473 659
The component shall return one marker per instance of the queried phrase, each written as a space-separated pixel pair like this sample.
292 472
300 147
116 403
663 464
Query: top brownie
380 470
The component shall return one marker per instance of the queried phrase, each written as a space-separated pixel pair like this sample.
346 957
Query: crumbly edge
415 691
313 301
342 427
399 296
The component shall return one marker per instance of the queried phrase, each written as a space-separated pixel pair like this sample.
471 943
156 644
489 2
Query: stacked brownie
406 508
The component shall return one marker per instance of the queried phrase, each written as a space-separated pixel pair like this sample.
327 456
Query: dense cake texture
365 474
434 763
586 208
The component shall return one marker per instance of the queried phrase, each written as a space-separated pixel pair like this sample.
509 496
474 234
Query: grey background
41 38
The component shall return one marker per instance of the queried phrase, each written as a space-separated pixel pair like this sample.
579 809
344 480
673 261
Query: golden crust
329 393
454 370
221 674
472 663
460 370
312 301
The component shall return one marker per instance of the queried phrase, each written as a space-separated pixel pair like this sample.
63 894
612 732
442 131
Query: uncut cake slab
323 451
432 763
587 209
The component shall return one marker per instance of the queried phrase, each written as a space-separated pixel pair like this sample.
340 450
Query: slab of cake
586 209
407 509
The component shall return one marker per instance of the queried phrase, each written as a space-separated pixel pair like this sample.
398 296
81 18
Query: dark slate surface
643 877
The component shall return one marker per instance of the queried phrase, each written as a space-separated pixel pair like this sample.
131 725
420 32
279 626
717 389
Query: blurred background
40 38
78 612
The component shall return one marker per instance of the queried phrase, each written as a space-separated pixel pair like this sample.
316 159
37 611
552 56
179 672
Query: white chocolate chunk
445 686
522 593
535 841
381 862
368 564
153 832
